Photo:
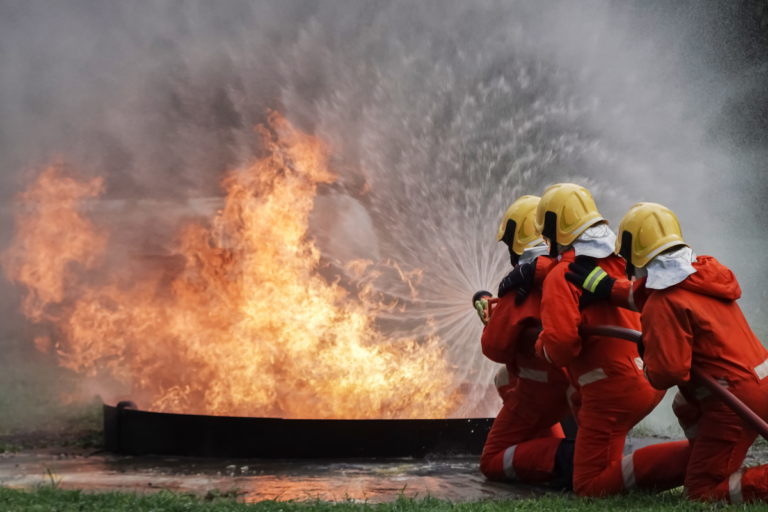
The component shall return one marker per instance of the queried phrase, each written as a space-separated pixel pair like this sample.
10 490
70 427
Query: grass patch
50 498
9 448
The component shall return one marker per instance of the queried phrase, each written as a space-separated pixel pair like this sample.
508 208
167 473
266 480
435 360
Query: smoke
441 113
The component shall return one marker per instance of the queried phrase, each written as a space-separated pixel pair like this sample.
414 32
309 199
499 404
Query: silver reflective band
628 472
762 370
502 378
734 488
593 376
546 356
537 375
509 455
639 363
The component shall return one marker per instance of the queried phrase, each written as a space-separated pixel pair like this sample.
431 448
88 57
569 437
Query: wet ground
375 480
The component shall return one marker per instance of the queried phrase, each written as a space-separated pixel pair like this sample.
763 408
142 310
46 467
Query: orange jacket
629 294
560 342
698 322
505 341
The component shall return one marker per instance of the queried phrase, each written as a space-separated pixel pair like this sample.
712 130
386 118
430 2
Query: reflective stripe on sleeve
509 455
594 278
762 370
546 356
535 375
734 488
502 378
593 376
628 471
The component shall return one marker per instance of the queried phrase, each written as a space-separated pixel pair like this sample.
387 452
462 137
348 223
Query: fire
247 326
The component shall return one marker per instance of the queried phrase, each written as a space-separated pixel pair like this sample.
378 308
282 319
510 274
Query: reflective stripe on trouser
531 462
526 433
504 382
715 469
743 486
610 408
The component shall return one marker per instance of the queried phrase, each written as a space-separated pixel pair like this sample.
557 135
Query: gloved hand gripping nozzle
480 302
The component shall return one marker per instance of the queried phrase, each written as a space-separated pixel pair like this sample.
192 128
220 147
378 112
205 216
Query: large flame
248 327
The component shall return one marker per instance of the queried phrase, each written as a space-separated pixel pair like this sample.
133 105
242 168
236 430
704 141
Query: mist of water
441 114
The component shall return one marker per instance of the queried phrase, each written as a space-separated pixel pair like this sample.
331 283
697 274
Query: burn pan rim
131 431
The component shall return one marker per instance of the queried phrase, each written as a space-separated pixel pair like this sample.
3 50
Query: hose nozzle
479 295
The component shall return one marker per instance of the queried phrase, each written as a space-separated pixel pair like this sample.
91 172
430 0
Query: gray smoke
441 113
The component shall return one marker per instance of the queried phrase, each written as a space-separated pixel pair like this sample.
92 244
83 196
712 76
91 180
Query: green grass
32 410
10 448
50 498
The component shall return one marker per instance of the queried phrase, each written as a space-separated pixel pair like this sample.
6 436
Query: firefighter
606 371
526 442
690 317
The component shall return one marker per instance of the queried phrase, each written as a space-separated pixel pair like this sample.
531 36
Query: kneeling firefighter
690 317
606 371
526 443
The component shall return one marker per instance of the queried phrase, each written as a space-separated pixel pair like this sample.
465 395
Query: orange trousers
609 409
526 433
720 441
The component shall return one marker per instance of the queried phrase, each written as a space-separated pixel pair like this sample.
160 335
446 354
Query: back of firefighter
690 317
526 442
607 372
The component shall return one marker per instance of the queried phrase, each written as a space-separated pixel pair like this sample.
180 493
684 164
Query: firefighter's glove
596 284
521 277
482 306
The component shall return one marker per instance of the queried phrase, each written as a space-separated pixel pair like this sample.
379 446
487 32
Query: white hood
668 269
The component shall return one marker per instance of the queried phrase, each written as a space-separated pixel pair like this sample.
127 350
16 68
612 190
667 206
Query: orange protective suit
698 322
614 395
526 433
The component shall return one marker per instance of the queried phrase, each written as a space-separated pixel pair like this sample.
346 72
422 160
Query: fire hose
717 389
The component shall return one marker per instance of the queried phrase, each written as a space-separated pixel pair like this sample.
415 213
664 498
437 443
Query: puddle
374 480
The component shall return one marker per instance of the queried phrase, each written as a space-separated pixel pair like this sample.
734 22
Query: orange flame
248 326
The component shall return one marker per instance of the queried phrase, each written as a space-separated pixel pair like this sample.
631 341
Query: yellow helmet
517 230
647 230
565 211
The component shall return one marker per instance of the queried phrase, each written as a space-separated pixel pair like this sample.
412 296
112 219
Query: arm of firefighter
559 341
668 339
501 333
629 295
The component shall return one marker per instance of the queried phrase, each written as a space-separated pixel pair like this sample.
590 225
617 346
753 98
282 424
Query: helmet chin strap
550 232
626 253
514 258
